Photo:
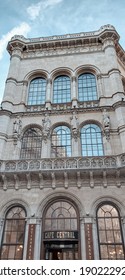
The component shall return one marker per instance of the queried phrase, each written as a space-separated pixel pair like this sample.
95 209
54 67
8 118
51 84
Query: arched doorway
60 238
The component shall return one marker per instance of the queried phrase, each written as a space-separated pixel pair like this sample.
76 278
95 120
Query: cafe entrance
61 251
61 240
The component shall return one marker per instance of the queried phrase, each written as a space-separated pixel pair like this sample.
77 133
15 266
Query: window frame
59 88
89 148
31 140
108 244
89 86
17 246
40 97
56 149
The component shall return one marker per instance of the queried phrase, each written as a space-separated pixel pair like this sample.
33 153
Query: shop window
110 233
13 235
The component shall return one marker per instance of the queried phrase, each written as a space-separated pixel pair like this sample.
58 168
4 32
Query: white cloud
35 9
22 29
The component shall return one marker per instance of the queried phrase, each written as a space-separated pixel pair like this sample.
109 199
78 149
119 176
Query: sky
35 18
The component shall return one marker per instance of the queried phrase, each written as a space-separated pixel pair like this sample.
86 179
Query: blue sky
35 18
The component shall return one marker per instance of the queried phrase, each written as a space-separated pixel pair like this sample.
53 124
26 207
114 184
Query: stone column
123 228
37 247
10 86
82 233
73 92
100 88
24 92
1 229
120 126
95 240
48 94
4 130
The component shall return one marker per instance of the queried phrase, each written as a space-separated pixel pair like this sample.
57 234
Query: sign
89 242
31 240
61 235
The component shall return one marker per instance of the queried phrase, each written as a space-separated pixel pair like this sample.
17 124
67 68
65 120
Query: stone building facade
62 148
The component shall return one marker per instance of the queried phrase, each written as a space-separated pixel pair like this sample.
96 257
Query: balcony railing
63 106
76 163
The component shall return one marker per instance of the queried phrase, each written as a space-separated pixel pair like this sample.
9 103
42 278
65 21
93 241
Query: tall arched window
87 87
61 142
109 233
31 144
61 89
13 235
37 91
61 227
91 140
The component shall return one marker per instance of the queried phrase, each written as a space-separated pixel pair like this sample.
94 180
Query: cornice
61 42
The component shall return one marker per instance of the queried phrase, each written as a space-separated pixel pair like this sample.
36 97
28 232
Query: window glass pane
63 217
37 91
109 233
31 144
61 142
91 140
61 90
13 235
87 87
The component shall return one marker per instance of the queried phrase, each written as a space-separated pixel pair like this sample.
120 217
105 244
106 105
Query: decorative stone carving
122 159
46 127
106 124
11 165
46 164
71 163
59 164
34 164
74 126
4 182
22 165
17 128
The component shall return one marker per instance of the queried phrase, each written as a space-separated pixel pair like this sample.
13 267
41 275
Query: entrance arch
61 235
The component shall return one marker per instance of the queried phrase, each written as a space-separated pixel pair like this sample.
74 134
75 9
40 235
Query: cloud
22 29
35 9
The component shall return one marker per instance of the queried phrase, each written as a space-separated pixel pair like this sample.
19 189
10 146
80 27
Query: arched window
31 144
61 227
13 235
61 215
37 91
61 90
87 87
61 142
91 140
109 233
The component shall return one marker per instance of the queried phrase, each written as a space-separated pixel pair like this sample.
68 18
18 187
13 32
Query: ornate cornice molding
63 44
